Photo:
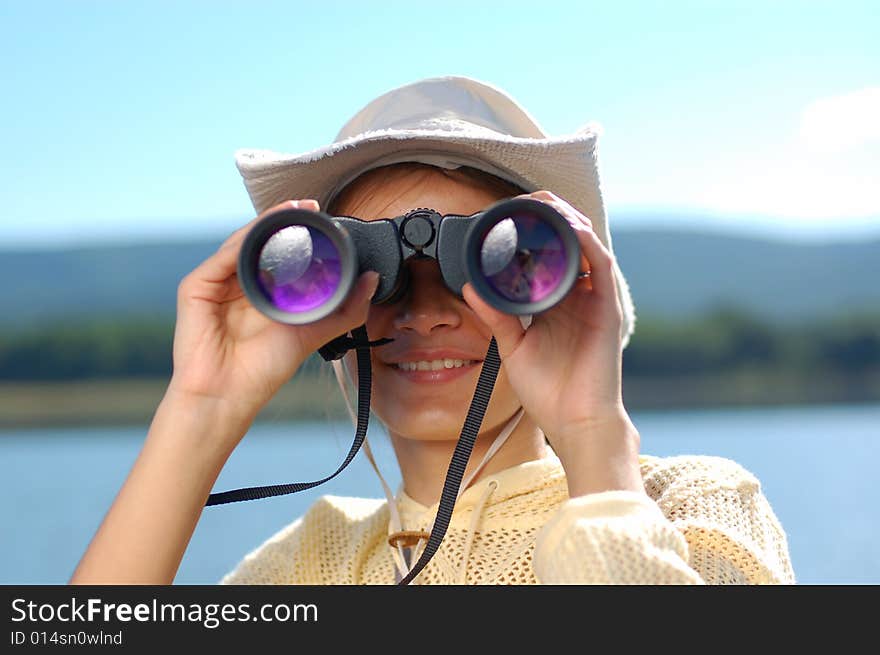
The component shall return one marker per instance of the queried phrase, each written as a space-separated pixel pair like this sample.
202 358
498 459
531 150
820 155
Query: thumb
354 309
507 329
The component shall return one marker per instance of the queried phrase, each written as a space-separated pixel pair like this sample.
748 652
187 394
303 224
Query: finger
237 236
600 262
353 311
222 264
349 315
507 329
561 205
587 238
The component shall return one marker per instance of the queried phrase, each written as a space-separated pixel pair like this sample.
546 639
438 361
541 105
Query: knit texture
701 520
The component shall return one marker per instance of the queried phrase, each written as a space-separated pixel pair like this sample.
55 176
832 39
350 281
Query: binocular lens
523 259
299 269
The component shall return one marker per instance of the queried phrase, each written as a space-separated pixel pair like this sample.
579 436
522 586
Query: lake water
818 466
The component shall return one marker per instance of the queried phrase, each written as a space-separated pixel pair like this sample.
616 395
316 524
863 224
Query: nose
427 304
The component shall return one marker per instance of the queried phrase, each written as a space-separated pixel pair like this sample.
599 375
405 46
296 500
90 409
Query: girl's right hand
227 352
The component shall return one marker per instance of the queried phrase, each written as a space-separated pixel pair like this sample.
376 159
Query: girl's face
433 329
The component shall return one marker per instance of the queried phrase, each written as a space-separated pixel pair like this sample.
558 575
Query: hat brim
564 165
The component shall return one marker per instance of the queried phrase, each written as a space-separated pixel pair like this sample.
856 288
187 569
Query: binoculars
297 266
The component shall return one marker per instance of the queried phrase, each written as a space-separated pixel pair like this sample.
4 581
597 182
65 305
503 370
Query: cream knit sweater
702 520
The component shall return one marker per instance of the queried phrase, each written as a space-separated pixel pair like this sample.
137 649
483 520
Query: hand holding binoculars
297 266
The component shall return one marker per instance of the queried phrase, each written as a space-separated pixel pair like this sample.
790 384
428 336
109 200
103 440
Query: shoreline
316 397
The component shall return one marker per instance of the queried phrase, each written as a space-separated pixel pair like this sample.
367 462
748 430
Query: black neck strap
340 345
359 340
362 344
460 458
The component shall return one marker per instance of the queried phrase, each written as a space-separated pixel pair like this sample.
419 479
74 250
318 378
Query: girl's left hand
566 367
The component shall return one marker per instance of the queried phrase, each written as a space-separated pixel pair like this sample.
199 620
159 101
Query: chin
438 424
425 425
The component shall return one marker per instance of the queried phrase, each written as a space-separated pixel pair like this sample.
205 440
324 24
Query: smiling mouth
436 371
434 364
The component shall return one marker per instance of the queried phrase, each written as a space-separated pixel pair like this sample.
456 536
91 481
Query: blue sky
120 119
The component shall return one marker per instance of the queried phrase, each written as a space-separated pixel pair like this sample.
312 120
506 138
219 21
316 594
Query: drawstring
402 563
494 448
421 543
397 553
361 342
472 528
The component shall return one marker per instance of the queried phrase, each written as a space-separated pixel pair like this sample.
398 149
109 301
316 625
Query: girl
556 492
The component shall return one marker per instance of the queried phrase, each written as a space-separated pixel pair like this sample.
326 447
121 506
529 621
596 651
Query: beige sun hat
448 121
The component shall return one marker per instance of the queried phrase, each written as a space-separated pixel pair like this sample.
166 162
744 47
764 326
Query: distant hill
682 273
672 273
78 283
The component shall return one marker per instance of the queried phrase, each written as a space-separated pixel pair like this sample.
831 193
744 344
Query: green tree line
730 340
724 341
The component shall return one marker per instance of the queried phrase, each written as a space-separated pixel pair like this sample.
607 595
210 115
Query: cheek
379 323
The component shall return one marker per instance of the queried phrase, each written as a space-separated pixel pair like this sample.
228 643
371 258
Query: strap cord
361 342
460 458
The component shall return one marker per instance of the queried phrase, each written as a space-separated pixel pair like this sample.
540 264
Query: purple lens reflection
523 258
299 269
